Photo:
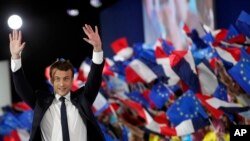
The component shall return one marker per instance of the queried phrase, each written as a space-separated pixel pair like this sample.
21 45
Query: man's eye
57 79
66 78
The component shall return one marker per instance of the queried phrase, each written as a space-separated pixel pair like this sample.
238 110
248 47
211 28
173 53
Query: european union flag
186 107
160 94
221 92
240 72
243 23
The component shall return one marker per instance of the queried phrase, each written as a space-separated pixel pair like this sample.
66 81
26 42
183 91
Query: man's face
62 81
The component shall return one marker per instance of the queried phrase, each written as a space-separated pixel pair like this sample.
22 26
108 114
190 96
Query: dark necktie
64 122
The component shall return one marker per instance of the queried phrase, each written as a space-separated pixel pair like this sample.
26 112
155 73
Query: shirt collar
67 96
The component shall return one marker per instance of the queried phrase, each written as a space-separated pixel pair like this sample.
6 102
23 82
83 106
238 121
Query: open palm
16 45
93 37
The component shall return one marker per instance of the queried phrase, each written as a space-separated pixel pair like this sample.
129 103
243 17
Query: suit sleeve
23 88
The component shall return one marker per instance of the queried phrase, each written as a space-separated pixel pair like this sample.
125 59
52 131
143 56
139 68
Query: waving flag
160 94
100 104
208 81
226 57
17 135
164 60
186 107
121 49
184 128
21 106
233 36
218 107
137 71
107 67
199 43
9 122
84 70
119 67
185 69
243 23
240 72
25 119
221 92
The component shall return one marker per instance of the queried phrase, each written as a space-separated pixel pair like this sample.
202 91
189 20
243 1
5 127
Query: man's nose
61 83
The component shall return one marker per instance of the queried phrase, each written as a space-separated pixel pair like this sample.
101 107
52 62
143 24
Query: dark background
50 33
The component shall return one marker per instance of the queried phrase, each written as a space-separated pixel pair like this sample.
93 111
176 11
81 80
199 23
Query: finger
96 29
87 40
85 31
87 28
23 45
15 35
10 37
90 28
20 36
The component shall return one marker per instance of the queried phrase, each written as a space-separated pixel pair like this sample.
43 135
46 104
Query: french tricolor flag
100 104
137 71
17 135
207 79
218 107
165 61
83 71
184 128
107 68
231 55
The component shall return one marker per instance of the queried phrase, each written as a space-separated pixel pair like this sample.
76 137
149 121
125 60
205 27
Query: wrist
15 56
97 49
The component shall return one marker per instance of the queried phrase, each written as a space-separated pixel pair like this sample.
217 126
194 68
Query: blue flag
243 23
167 47
221 92
186 107
160 94
240 72
184 71
9 122
232 32
25 119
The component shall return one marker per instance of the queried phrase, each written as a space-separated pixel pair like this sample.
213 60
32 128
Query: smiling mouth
62 89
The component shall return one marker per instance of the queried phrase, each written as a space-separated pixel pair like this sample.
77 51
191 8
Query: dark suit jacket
82 99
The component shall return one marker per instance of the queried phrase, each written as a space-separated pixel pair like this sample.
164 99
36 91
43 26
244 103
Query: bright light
15 22
73 12
96 3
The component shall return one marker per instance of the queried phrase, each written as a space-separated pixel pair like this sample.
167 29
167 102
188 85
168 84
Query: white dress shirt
51 123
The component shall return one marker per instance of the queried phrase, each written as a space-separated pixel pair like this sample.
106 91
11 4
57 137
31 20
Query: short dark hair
61 64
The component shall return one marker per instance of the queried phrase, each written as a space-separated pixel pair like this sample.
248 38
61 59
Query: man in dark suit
64 109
